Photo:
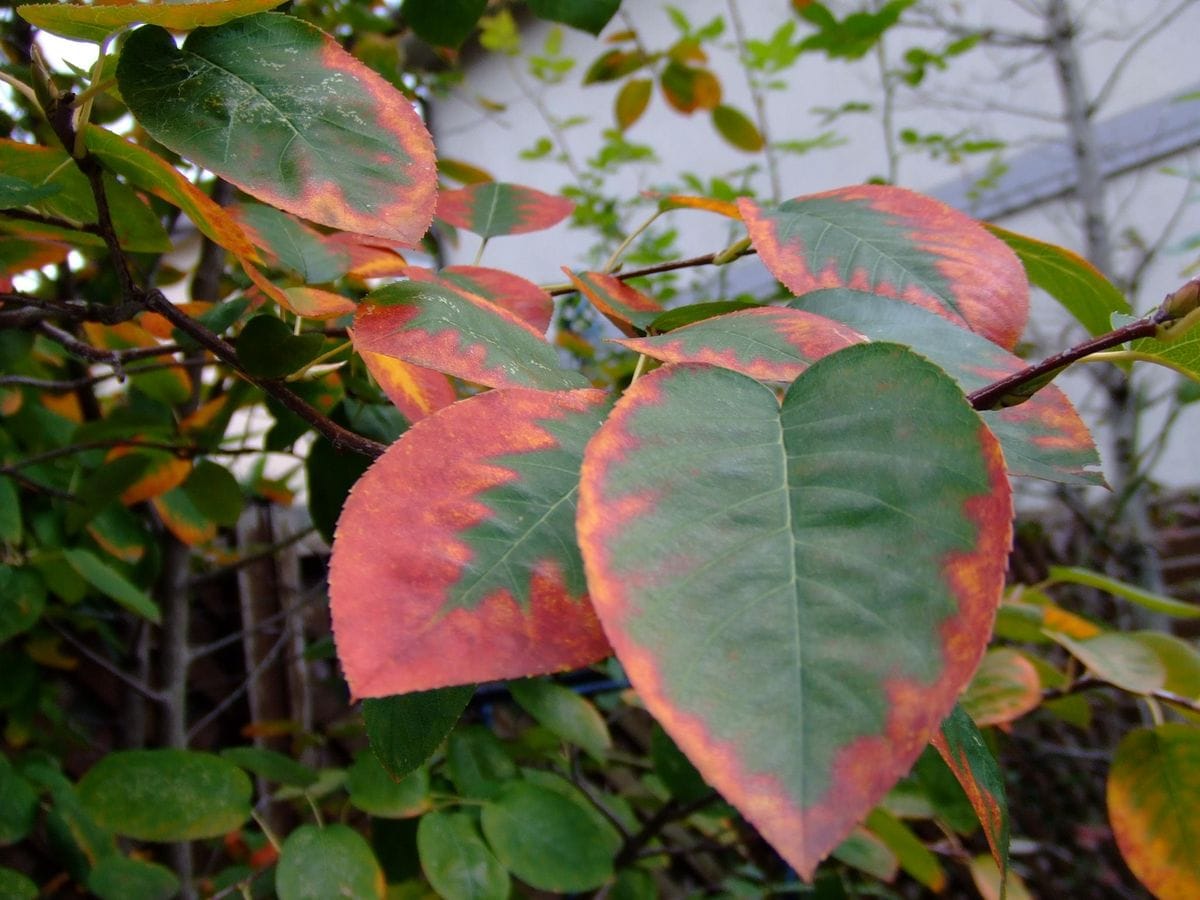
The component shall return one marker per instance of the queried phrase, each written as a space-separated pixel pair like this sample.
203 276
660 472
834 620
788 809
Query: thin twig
1088 682
671 811
145 690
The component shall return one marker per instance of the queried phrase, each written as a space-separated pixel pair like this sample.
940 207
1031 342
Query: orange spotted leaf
454 560
834 610
163 472
94 22
1153 795
494 208
893 242
1042 438
445 328
1005 687
332 142
624 305
514 293
414 390
770 344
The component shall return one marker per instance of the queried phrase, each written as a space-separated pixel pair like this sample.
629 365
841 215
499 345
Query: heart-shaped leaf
453 561
895 243
837 561
453 331
494 208
276 106
1044 437
769 343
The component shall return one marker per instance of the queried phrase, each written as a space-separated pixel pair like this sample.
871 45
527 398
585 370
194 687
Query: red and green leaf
454 561
624 305
96 22
292 245
1043 437
512 292
455 332
769 343
1153 795
807 570
965 752
314 303
494 208
414 390
689 88
332 142
895 243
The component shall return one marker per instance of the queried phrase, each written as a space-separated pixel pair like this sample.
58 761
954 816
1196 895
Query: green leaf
215 492
271 765
549 841
17 192
689 88
453 331
1153 795
1044 437
443 23
330 474
18 805
867 853
895 243
22 600
1134 594
811 572
965 752
267 348
406 729
125 878
15 886
96 22
631 102
698 312
1119 659
488 583
494 208
111 583
374 791
565 713
1069 278
166 795
297 247
586 15
1005 687
914 857
456 861
1180 661
319 863
477 762
333 141
737 128
674 769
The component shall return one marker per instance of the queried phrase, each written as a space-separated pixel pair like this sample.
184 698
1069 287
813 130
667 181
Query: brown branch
33 485
671 811
1089 682
690 263
63 386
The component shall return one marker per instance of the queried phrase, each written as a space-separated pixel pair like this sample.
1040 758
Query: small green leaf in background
914 857
111 583
374 791
443 23
1180 661
631 102
494 208
867 853
586 15
166 795
549 841
18 805
95 22
565 713
267 348
735 126
1005 687
22 599
271 765
215 492
478 763
1119 659
1153 795
15 886
456 861
1131 592
405 730
321 863
125 878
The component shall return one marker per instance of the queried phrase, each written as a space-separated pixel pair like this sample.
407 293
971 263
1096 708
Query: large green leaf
495 208
126 878
96 22
445 23
1069 278
166 795
111 583
586 15
405 730
275 106
1044 437
456 861
798 594
453 331
374 791
895 243
454 560
335 861
1153 795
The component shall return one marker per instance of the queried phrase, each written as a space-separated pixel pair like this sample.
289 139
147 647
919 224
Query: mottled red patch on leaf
494 208
512 292
622 304
403 544
984 802
415 390
982 283
314 303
